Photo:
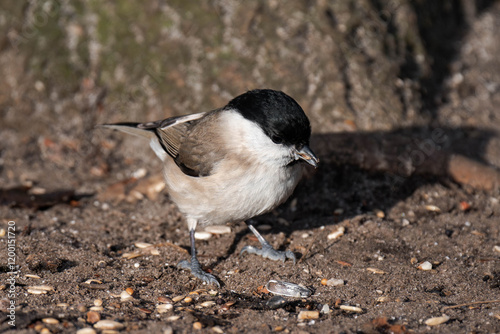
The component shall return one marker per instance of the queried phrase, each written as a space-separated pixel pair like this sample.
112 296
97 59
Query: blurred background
377 68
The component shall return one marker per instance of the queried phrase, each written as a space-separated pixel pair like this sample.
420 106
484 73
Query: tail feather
131 128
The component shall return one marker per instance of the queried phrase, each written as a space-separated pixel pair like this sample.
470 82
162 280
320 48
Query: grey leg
195 267
267 251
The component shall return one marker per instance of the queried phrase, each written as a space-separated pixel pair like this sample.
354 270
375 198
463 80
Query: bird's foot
267 251
195 268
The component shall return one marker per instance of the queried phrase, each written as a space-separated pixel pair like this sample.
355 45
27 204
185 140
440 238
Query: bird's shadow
367 171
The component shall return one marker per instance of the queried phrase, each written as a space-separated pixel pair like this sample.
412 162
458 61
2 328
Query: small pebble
338 211
108 324
2 232
425 266
164 308
86 330
276 302
168 330
81 308
405 222
202 235
337 233
45 331
308 315
93 317
197 325
130 291
325 309
50 320
496 249
351 308
437 320
98 302
218 229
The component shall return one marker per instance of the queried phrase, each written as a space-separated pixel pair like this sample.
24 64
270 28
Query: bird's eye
277 139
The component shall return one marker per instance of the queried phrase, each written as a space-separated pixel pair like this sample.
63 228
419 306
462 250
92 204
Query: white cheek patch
247 137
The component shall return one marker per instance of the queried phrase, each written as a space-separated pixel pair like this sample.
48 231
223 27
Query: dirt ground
404 208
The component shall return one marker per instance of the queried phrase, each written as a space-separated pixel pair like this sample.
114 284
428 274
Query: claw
196 271
267 251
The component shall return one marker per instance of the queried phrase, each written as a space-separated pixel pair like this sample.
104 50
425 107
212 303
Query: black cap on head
279 115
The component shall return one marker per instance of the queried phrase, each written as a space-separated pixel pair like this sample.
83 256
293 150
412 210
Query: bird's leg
195 267
267 251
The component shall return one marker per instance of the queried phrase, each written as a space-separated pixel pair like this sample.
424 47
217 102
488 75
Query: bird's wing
194 149
193 142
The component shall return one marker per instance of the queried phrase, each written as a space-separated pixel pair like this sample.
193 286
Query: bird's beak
307 155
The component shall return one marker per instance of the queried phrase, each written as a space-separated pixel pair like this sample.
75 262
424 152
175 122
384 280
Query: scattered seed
337 233
332 282
276 302
142 244
425 266
45 331
173 318
287 289
86 330
279 328
62 305
194 293
155 251
432 208
376 271
98 302
145 310
217 329
227 306
130 291
92 281
338 211
188 300
93 317
50 320
464 206
405 222
437 320
213 292
164 308
325 309
379 213
97 308
177 299
344 264
2 232
351 308
108 324
202 235
130 256
218 229
413 260
496 249
208 303
197 325
165 300
264 227
125 296
382 299
40 289
308 315
31 276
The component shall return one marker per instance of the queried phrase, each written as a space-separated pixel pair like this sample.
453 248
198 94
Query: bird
231 164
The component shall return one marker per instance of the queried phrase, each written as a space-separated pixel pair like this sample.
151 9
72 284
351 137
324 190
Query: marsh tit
232 163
